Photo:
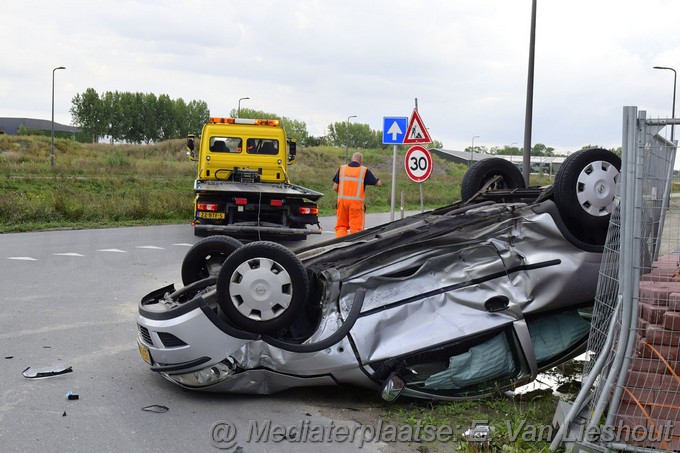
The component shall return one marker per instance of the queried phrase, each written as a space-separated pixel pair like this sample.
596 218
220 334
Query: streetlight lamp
347 147
675 78
238 111
472 150
52 146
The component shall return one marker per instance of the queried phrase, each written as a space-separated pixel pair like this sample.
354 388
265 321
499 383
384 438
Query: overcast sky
320 61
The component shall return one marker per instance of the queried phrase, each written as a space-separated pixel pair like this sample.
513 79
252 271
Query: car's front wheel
262 287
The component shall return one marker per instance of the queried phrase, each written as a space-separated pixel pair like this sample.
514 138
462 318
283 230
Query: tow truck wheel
484 170
205 258
262 287
585 187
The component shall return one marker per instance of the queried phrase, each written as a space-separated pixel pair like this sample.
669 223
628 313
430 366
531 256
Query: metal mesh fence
630 399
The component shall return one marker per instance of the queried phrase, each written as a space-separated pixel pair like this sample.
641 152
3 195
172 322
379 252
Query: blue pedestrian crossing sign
394 130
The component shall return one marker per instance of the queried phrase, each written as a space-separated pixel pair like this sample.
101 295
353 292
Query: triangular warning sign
416 132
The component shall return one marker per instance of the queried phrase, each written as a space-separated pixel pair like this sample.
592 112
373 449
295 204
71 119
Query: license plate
144 352
211 215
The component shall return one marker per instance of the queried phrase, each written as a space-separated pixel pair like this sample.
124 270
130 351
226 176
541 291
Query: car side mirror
190 146
292 150
392 387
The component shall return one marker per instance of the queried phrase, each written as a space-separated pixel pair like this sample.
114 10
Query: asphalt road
69 298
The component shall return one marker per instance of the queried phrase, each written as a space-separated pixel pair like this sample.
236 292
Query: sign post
417 133
418 165
394 130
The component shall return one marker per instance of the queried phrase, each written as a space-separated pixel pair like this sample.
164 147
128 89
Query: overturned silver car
463 301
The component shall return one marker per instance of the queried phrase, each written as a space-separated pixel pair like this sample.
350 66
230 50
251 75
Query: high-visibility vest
351 182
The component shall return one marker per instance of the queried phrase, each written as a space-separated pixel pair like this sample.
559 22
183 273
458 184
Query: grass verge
95 185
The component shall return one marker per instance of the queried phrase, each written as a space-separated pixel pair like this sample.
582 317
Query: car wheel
482 171
205 257
585 187
262 286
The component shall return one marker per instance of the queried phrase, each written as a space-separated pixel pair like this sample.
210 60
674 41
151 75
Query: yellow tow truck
242 187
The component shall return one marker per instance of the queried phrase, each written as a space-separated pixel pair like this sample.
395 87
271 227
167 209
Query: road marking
148 247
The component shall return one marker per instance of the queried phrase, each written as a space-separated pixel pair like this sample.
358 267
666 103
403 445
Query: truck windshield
262 146
225 144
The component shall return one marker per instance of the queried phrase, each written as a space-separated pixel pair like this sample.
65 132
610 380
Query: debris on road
156 408
55 370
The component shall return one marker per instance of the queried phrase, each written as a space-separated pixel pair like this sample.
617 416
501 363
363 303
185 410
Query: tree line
145 118
136 117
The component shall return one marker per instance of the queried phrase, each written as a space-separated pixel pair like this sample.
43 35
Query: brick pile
649 413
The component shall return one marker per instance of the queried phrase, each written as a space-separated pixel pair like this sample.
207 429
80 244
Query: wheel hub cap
260 289
596 188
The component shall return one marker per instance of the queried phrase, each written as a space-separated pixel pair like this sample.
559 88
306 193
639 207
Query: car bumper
190 346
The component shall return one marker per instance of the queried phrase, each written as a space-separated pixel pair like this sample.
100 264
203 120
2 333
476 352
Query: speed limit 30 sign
418 163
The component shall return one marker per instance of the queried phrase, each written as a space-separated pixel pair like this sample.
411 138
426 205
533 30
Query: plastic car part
56 370
479 436
483 171
72 396
156 408
262 286
497 303
205 258
585 189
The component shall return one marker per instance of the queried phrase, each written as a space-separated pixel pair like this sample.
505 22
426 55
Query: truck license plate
211 215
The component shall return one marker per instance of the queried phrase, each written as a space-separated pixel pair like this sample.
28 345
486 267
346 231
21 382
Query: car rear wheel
481 172
585 188
205 258
262 287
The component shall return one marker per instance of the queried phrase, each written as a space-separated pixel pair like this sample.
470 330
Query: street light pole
675 78
529 109
472 150
52 146
347 130
238 111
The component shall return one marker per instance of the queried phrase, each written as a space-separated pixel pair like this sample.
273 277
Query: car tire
584 191
205 257
262 287
482 171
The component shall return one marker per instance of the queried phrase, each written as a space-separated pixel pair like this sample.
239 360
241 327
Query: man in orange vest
350 182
